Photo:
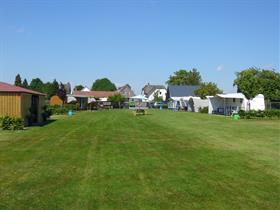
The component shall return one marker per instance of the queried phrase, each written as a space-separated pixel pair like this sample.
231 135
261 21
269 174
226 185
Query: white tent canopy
232 95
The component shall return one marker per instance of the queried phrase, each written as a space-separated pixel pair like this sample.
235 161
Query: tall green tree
184 77
55 86
78 87
207 89
270 84
50 88
255 81
25 83
103 84
36 84
18 80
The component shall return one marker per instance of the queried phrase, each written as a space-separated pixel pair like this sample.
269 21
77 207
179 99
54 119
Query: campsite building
225 104
85 98
150 90
126 91
20 102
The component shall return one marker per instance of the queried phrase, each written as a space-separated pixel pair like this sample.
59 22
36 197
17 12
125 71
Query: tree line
250 82
61 90
49 88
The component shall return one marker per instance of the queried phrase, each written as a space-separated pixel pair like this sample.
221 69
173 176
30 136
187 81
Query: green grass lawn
164 160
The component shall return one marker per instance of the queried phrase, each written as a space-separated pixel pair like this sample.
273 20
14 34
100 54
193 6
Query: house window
233 100
241 100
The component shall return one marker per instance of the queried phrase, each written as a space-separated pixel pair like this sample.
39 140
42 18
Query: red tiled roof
96 94
5 87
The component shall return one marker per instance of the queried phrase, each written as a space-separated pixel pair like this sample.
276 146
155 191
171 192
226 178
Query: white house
225 104
150 90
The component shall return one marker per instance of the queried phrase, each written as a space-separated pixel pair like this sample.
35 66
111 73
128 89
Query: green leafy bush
11 123
203 110
131 104
46 113
270 114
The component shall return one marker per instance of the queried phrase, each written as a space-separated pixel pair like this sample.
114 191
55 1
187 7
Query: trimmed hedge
11 123
58 110
270 114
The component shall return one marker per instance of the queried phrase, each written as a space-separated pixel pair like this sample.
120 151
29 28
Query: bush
203 110
252 114
11 123
58 110
46 113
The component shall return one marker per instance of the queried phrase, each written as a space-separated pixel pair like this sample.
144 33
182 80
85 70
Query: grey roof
182 90
126 91
149 89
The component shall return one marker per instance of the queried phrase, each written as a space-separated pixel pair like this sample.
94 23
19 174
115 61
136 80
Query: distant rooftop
149 89
182 90
5 87
96 94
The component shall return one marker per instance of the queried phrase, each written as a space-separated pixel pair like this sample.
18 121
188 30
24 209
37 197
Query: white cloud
220 67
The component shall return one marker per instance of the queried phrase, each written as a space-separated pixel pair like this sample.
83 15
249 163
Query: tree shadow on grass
48 122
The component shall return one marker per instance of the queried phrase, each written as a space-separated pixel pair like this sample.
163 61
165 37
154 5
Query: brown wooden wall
25 106
18 105
10 104
41 108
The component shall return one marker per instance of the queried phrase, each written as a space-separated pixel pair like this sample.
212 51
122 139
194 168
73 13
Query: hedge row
11 123
270 114
63 109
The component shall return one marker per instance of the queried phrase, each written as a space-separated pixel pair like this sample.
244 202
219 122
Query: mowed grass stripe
165 160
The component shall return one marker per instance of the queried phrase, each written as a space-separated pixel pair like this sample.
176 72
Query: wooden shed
20 102
55 100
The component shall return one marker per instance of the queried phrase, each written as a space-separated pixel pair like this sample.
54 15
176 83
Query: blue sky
136 42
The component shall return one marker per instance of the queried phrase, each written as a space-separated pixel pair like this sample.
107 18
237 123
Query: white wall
199 103
161 93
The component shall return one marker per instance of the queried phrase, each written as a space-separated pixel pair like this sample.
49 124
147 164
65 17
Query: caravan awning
139 97
231 95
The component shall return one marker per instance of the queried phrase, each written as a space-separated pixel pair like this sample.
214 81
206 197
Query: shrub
11 123
131 104
203 110
252 114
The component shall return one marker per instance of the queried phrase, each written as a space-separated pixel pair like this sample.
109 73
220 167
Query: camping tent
225 104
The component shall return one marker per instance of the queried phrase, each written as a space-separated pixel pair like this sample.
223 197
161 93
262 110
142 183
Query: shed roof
182 90
97 94
5 87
